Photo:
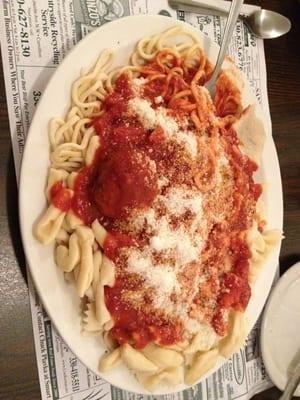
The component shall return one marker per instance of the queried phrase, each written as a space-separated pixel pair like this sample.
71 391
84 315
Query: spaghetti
153 208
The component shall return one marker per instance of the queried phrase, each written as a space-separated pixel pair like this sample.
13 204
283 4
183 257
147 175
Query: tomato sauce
123 181
236 292
121 178
61 197
227 97
114 241
136 326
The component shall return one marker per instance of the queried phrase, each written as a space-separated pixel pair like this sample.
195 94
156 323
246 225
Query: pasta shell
90 324
111 360
161 357
149 381
202 363
173 375
49 225
136 360
99 232
236 337
107 273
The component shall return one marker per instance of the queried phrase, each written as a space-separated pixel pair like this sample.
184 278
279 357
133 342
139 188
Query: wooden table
18 370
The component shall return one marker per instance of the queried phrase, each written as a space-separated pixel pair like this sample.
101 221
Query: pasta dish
154 210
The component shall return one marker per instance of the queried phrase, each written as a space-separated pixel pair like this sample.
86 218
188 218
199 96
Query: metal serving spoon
292 383
264 24
234 11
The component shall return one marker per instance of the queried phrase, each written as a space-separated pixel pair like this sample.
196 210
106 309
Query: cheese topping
151 118
173 231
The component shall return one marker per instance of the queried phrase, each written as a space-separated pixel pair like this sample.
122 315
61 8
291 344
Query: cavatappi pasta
153 209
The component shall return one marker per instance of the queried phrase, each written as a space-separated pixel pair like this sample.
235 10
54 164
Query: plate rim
273 372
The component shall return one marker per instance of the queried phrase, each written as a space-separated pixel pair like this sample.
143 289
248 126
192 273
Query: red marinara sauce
135 326
235 289
123 181
61 197
120 176
115 241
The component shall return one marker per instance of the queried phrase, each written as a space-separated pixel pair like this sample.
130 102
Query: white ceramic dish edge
279 336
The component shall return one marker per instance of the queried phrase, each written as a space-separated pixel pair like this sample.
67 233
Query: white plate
280 329
60 299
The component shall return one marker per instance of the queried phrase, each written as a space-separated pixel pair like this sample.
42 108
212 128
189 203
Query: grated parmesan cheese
162 278
136 84
178 240
144 217
179 199
222 165
150 119
206 335
189 140
142 108
162 182
178 245
182 245
169 260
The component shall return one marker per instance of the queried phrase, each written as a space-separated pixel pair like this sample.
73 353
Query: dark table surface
18 369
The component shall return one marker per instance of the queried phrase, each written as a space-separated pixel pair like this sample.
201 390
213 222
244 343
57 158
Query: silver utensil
292 383
264 24
230 24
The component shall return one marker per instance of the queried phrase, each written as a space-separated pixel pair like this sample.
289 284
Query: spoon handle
292 384
230 24
211 7
200 7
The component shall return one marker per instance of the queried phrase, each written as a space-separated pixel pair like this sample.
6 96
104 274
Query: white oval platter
59 298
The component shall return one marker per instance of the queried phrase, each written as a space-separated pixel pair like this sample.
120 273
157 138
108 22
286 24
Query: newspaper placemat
35 36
